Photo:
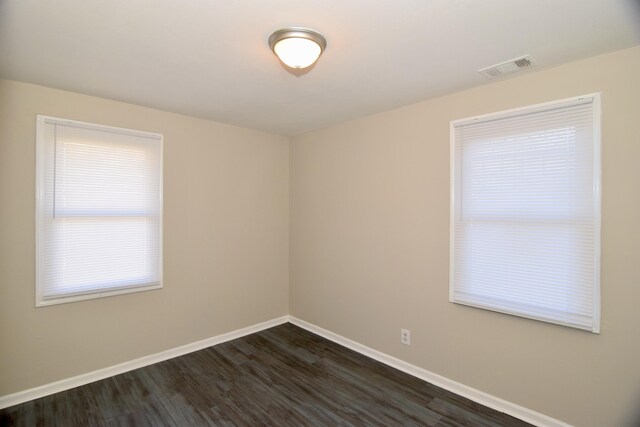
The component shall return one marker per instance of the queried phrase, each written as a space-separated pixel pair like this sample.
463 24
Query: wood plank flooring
283 376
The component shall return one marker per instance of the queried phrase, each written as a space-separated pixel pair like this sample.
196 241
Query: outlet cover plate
405 336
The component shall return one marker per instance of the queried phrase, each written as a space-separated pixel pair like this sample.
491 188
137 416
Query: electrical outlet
405 336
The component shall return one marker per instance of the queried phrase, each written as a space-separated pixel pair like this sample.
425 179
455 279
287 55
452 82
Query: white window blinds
99 211
525 212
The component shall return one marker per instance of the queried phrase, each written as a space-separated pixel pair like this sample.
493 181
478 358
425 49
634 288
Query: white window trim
595 98
41 120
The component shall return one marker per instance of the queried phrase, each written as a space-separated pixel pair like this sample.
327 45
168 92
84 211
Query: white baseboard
478 396
100 374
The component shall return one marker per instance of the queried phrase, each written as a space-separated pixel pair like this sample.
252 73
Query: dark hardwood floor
283 376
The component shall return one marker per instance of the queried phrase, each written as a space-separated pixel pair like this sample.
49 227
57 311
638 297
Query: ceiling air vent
508 67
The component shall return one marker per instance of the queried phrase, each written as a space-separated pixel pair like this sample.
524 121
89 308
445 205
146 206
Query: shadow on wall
633 419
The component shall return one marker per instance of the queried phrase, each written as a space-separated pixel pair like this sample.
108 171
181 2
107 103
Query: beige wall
370 248
226 213
369 245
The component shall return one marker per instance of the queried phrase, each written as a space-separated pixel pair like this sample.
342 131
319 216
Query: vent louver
507 67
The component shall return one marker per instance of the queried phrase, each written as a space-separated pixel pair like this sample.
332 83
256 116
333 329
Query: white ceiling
210 58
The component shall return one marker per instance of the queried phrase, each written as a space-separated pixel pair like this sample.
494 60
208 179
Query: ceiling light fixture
297 47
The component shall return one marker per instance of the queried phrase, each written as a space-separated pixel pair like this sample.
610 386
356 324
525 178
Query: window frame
597 197
41 144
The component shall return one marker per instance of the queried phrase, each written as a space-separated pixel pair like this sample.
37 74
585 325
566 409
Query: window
525 212
98 211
